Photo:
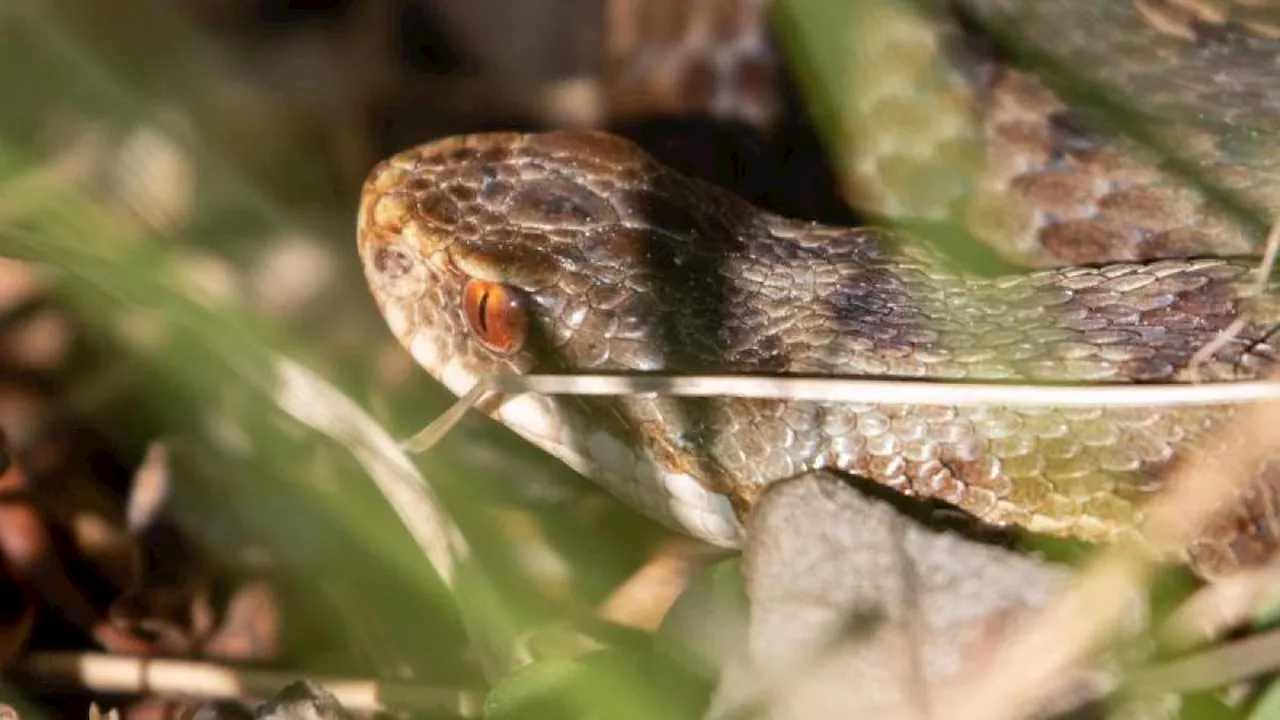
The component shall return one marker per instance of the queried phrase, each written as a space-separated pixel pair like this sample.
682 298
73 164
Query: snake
577 251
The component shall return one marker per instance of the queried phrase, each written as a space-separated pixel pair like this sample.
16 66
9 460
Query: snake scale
576 250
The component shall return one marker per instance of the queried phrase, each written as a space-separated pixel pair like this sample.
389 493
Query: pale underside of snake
576 251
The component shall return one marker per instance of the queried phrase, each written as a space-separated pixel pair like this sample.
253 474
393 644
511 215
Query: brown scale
682 58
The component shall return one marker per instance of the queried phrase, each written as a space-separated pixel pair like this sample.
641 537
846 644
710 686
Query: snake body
499 253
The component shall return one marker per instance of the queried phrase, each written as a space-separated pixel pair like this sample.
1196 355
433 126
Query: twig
1261 276
112 674
1239 660
891 391
315 403
427 437
1226 603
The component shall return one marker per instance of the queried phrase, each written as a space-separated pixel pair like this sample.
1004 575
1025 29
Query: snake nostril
392 262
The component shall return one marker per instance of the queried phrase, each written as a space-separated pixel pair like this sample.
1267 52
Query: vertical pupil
484 313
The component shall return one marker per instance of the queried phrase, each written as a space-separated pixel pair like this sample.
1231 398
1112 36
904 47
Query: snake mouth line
674 499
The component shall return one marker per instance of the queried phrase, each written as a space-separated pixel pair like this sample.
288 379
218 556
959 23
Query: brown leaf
252 626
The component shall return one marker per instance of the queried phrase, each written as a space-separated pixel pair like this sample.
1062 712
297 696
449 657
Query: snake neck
799 298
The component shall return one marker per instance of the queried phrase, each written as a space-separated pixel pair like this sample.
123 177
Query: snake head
566 251
502 252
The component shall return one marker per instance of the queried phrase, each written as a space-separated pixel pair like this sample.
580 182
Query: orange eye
496 314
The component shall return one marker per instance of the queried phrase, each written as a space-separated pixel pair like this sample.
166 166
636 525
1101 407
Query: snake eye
496 314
